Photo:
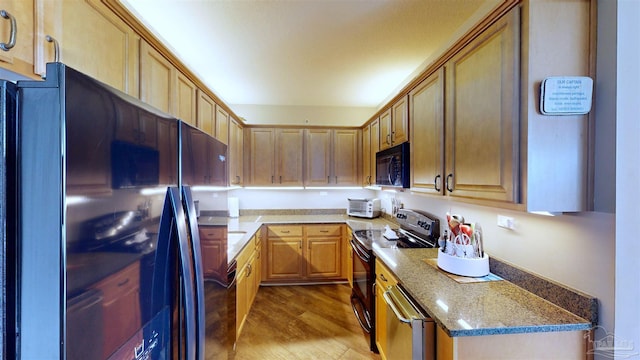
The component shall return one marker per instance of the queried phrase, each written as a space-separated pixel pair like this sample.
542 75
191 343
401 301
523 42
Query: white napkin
389 234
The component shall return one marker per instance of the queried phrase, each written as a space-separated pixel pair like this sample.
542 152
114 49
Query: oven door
362 293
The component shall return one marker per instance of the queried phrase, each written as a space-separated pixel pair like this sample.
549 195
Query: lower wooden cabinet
120 307
304 253
213 245
248 281
384 279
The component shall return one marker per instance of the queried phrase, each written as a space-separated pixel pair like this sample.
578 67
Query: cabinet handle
300 242
272 179
328 179
285 231
324 231
237 179
123 282
368 180
383 278
280 179
448 185
436 182
248 270
56 47
393 135
336 179
14 30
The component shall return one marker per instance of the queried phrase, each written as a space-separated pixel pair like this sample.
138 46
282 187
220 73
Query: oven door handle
361 254
400 305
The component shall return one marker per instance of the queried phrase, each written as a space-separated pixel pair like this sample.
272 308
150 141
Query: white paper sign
566 95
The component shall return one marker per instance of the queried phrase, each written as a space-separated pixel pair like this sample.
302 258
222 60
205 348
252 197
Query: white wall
297 199
627 279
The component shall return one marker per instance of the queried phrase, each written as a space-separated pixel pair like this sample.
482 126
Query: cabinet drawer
215 233
384 276
324 230
284 230
120 283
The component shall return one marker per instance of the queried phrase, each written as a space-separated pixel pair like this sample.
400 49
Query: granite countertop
241 229
480 308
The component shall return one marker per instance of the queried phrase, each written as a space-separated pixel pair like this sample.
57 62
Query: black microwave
392 166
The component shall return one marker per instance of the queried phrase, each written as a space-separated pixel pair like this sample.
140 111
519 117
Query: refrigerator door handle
187 270
192 223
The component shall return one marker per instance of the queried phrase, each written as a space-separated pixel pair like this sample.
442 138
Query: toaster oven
365 208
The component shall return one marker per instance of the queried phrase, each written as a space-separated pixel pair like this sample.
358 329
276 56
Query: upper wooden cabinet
394 125
275 157
236 153
222 124
332 157
427 134
482 113
370 146
157 78
88 37
206 113
185 99
18 55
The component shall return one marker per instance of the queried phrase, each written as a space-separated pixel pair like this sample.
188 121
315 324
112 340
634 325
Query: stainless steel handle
280 179
328 179
249 270
436 183
368 179
388 299
56 47
272 179
14 31
237 179
388 139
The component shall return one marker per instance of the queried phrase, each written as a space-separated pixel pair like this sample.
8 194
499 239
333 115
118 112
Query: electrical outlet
506 222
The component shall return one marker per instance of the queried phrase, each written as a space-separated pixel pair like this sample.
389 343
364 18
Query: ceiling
309 53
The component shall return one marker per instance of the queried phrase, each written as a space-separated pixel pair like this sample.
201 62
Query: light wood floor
303 322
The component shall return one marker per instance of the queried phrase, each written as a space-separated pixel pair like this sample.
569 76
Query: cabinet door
99 44
345 157
427 134
262 166
222 124
384 279
19 58
206 113
185 101
167 139
483 117
285 260
366 156
236 153
156 79
242 306
289 144
318 151
399 122
385 130
213 242
375 147
121 307
324 257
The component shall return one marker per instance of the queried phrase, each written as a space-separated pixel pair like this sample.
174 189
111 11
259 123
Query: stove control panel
419 222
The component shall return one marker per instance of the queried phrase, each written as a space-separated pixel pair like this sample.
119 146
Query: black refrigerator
101 254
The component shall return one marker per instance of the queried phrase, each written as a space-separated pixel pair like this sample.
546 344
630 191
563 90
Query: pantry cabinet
394 125
276 156
332 157
298 253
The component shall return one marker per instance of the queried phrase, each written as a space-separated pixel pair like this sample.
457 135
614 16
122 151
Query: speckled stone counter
241 229
481 308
